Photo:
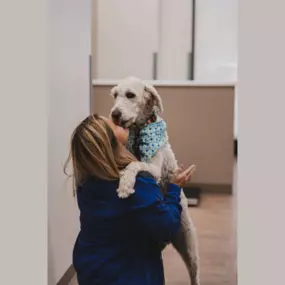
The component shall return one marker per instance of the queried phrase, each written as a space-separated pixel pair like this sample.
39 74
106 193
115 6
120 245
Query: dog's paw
124 192
126 188
126 185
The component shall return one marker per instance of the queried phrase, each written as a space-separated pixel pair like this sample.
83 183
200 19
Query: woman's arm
155 215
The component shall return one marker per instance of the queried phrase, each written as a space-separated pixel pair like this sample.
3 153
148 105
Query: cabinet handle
154 65
190 66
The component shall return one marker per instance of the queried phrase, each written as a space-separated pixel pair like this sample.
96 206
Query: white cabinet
216 40
174 39
127 38
152 39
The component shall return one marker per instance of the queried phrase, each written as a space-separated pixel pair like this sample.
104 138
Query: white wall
216 40
68 104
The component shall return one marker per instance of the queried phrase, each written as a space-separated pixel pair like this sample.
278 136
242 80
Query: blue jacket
120 239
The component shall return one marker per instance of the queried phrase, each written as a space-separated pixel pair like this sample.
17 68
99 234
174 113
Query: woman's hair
95 152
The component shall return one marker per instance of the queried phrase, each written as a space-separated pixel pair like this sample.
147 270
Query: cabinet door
175 39
127 38
216 40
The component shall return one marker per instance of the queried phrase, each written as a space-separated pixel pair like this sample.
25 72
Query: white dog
136 105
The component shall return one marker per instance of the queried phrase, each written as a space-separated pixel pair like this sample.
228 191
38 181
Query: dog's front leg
128 175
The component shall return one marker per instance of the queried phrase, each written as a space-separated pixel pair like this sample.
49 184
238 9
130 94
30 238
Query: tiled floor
216 228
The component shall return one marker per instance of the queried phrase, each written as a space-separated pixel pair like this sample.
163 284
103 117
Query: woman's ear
155 96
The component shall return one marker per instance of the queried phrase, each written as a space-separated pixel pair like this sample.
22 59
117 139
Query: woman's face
120 133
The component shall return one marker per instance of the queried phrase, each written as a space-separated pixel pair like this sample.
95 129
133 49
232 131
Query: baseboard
67 276
213 188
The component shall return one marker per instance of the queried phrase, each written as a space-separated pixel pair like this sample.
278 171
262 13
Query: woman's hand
180 177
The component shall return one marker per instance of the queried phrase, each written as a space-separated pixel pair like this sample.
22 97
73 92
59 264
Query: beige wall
200 127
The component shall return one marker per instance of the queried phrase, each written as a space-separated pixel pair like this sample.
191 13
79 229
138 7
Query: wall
200 127
68 104
94 36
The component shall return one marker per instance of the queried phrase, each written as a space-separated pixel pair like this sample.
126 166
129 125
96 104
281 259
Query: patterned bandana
151 138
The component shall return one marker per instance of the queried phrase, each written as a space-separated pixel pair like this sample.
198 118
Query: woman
120 240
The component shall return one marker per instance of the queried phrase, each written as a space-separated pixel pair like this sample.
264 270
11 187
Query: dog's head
135 102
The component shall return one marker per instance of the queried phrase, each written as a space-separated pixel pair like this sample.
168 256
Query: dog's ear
114 92
155 96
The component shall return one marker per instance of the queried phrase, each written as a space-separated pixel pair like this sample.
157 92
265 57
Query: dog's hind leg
185 242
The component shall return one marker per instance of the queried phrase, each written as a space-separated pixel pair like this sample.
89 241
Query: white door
127 38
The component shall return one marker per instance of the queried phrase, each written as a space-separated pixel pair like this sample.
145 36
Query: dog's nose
116 115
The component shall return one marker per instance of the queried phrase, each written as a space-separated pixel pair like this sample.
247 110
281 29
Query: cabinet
155 39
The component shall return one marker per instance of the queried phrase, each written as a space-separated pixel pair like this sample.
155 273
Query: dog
137 105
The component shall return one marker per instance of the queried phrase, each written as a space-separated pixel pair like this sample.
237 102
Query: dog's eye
115 95
130 95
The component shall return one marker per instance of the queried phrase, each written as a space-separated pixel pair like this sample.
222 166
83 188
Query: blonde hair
95 152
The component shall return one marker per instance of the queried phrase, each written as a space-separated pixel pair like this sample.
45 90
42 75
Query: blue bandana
151 138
